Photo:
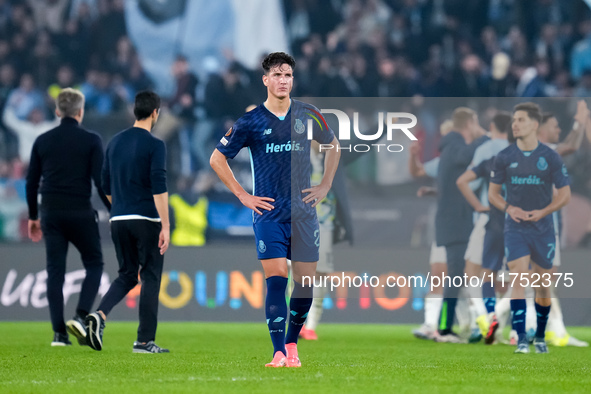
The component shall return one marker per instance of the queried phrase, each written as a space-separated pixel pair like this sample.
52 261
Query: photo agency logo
375 141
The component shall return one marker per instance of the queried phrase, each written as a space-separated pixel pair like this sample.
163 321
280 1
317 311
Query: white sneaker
450 337
424 332
572 341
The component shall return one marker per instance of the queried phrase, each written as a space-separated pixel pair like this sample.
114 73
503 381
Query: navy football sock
276 311
448 311
542 313
518 308
489 296
299 305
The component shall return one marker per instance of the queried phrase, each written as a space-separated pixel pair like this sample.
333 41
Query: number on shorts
317 236
552 247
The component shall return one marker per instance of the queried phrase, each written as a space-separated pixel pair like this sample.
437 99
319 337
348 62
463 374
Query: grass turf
214 357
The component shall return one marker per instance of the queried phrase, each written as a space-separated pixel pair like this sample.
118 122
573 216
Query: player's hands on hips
534 216
164 239
517 214
35 232
256 202
316 194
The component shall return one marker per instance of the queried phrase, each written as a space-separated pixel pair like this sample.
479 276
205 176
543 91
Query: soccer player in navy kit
285 222
529 170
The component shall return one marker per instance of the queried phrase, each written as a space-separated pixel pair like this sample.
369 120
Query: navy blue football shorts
541 247
296 241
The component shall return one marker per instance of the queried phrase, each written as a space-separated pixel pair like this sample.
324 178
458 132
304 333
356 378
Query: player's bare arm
561 198
463 184
331 162
497 200
414 165
220 165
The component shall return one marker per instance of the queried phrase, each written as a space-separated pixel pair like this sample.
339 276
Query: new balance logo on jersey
290 146
267 131
529 180
513 165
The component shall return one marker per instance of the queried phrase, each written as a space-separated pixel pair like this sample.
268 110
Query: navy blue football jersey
529 177
280 157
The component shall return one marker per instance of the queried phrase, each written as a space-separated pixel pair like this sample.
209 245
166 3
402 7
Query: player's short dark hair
502 121
277 59
533 111
145 103
546 116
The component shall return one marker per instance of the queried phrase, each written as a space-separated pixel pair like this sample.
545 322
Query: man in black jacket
454 220
67 158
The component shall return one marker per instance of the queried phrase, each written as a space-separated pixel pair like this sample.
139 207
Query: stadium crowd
343 48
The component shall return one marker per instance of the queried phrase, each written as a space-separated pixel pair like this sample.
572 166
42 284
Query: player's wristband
506 207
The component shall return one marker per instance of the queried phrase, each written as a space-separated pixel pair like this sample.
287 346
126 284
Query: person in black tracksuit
134 179
454 220
66 159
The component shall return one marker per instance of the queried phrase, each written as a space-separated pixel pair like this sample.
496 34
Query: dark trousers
81 229
455 266
136 245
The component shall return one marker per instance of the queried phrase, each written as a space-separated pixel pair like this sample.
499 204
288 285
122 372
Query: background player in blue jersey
285 222
529 170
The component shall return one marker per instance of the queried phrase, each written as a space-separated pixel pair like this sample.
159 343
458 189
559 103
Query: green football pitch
230 357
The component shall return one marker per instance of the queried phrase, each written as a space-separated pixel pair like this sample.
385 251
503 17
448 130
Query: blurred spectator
64 79
43 61
104 41
49 14
390 84
121 61
549 47
73 45
27 130
98 92
25 98
583 89
468 79
7 83
530 83
581 55
82 8
183 105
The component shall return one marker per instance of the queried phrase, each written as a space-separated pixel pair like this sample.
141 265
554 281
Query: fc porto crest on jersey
299 126
542 164
262 247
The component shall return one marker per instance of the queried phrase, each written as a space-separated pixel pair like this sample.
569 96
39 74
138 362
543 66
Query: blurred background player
529 169
68 158
285 224
549 134
453 220
493 250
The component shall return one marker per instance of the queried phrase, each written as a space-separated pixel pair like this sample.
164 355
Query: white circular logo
299 126
262 247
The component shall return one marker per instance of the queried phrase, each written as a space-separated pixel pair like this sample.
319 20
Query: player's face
523 126
279 81
552 130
